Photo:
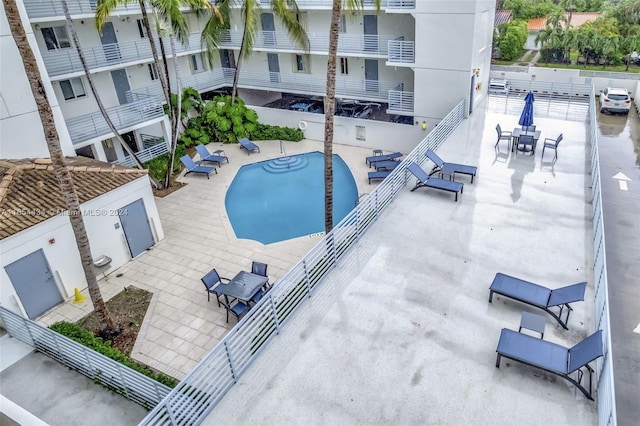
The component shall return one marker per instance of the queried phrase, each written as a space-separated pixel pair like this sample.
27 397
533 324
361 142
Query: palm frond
250 12
286 10
104 10
216 26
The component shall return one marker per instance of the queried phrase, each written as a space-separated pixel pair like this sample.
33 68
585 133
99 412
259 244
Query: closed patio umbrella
526 118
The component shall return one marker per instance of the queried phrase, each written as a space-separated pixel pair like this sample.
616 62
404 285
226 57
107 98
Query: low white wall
378 134
63 255
558 75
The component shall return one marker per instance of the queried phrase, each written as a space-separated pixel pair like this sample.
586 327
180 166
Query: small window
72 89
141 29
343 24
344 66
196 63
153 71
301 63
56 37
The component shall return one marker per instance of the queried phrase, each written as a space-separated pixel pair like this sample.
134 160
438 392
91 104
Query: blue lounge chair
432 182
537 295
386 165
192 167
386 157
378 175
205 156
443 168
552 357
248 145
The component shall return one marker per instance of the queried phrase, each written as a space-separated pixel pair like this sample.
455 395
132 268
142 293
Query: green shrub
226 122
195 133
266 132
86 338
158 166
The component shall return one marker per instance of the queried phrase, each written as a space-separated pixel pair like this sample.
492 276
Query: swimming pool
283 198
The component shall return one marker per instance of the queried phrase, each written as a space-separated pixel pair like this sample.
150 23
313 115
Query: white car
615 100
499 86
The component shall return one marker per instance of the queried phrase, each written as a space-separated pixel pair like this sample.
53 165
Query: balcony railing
160 147
400 101
368 4
401 51
50 8
90 126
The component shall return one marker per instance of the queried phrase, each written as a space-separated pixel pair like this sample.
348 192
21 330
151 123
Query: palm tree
630 44
608 45
570 6
330 102
74 36
285 10
108 324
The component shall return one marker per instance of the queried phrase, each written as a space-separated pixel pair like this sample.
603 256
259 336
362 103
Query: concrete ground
38 390
402 331
181 326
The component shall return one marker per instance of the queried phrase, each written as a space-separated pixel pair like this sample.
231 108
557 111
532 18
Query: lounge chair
552 357
386 157
248 145
432 182
538 296
443 168
192 167
205 156
378 175
386 165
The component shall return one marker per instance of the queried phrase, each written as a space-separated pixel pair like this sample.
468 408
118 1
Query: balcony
53 8
91 126
368 4
400 102
154 147
401 52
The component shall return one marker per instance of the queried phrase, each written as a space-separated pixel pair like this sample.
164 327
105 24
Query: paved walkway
180 326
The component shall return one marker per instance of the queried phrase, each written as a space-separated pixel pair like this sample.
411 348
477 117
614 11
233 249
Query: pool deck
180 326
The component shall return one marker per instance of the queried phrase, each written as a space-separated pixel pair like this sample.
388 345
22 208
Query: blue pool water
280 199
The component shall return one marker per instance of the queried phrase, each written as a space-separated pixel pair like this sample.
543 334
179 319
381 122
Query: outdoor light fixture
424 125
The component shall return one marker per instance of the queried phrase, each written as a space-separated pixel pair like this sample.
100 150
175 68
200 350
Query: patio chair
527 143
441 167
385 157
205 156
424 180
503 136
211 282
552 357
192 167
539 296
380 175
238 309
386 165
552 144
248 145
531 128
259 268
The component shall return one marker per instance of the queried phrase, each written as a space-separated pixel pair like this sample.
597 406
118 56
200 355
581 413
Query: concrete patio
402 331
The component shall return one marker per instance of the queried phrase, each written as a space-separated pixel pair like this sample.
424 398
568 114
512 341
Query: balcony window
301 63
141 29
343 24
72 89
344 66
56 37
196 63
153 71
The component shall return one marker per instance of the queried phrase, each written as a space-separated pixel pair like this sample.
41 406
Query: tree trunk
161 76
628 61
103 111
329 112
236 74
166 67
72 203
175 115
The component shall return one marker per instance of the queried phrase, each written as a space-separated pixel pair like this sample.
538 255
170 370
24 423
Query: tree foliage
530 9
511 38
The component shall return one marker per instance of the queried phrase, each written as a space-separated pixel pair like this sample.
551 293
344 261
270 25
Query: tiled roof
577 20
502 16
30 194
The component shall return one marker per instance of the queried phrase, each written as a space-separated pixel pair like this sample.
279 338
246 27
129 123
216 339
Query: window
56 37
196 63
141 29
301 63
343 24
72 89
153 71
344 66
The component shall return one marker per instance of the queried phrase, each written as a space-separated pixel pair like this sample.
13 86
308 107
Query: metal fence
121 379
610 75
401 51
606 389
144 155
198 393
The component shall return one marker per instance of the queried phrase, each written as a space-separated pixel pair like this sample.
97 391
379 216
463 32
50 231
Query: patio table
243 286
517 132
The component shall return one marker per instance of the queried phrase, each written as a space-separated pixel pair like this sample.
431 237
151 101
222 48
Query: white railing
359 44
510 68
610 75
368 4
119 378
401 51
606 388
554 89
400 101
198 393
401 4
90 126
145 155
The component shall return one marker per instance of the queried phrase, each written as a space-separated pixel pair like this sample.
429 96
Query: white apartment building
400 58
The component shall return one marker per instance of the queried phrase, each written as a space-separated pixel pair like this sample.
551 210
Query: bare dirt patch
128 308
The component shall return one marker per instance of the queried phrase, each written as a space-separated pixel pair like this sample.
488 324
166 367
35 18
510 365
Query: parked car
308 106
499 86
355 110
614 99
403 119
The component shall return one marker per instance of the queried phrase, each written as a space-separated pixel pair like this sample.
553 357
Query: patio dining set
524 139
238 294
